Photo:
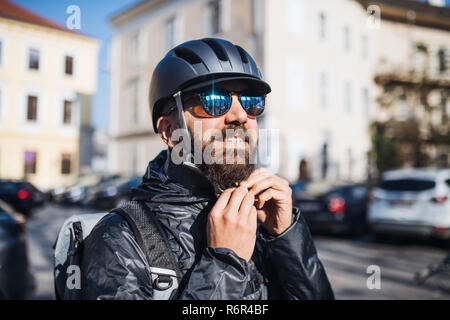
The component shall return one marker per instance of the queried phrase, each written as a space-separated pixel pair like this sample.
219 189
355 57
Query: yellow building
48 75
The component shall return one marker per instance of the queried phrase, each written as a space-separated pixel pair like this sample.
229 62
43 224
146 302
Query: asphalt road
346 260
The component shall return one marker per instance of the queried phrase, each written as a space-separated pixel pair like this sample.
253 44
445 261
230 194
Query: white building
320 58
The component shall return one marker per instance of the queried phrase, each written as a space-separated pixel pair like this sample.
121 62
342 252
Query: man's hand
274 200
232 222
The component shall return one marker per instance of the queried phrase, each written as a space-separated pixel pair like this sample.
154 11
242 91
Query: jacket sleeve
293 268
115 267
219 275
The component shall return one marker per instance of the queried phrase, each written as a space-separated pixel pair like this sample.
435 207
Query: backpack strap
153 241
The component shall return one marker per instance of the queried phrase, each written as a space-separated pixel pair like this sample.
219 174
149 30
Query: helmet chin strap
188 160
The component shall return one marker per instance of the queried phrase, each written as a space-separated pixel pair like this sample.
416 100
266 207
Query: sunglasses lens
254 106
216 104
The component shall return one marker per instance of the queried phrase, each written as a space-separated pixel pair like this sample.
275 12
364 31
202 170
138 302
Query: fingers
223 200
246 205
256 176
236 198
273 182
262 179
266 196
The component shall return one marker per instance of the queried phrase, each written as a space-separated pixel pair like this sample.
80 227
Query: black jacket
115 267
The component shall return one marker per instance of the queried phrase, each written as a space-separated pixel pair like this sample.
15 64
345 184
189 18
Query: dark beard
228 175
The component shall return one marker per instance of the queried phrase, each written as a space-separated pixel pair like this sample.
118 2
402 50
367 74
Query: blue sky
94 22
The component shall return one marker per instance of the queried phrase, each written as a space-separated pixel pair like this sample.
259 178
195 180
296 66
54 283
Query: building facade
48 75
320 57
413 81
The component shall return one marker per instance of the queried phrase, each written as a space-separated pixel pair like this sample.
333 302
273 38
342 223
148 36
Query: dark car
75 194
15 279
21 195
109 194
333 208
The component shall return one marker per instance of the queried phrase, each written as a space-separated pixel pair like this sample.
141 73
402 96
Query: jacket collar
165 182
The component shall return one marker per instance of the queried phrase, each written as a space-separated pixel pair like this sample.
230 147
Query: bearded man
232 228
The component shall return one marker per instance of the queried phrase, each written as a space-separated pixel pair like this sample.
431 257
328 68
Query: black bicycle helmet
198 63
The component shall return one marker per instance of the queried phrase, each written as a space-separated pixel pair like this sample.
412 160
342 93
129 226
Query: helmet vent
217 48
243 54
187 55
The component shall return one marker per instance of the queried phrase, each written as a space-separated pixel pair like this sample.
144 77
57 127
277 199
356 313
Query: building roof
13 11
395 10
412 12
134 10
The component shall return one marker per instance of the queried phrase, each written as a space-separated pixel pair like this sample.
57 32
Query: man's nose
236 113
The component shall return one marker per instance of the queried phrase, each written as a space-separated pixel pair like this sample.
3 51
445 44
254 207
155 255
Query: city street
345 259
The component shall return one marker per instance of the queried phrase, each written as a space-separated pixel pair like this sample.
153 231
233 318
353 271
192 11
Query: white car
413 202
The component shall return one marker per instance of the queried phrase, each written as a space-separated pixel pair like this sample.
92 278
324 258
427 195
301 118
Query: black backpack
68 251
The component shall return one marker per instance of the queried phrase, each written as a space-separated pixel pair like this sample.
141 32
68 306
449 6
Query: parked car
109 194
412 202
298 186
16 281
55 194
75 194
21 195
333 208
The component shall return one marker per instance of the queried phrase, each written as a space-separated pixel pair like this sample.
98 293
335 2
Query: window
33 59
366 102
67 112
442 57
348 97
134 100
215 16
347 45
322 27
324 160
32 102
30 162
134 48
323 84
407 184
65 163
364 46
402 112
350 163
170 33
295 17
68 66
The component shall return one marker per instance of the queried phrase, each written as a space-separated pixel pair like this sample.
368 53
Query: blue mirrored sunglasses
218 103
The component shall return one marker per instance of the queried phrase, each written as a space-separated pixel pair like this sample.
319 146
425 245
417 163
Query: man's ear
166 126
